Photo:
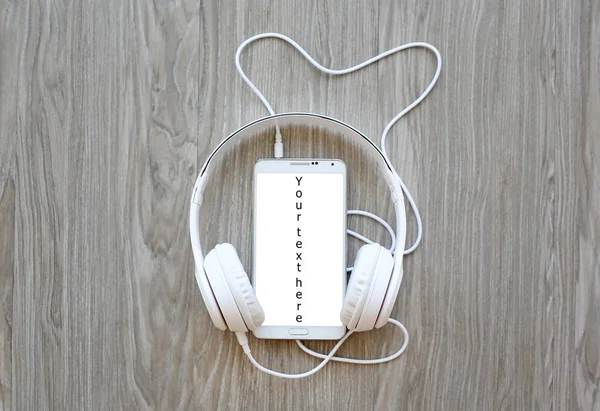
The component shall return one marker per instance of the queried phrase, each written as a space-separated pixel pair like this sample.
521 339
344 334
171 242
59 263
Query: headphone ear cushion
240 286
380 283
359 285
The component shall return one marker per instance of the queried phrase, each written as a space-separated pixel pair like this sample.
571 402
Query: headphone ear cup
379 288
367 287
240 286
210 301
222 292
360 280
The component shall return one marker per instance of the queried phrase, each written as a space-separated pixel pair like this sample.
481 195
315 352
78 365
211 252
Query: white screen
307 217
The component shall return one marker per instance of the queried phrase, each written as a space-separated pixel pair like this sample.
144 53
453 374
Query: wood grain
108 109
11 24
587 286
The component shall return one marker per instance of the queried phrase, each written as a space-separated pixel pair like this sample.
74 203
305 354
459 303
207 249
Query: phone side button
298 331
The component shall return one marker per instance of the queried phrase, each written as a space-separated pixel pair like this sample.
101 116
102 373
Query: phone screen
299 249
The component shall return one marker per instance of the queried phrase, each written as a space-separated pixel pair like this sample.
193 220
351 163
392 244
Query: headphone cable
278 151
278 148
243 340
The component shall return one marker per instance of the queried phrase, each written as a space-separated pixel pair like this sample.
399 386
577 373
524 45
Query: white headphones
377 272
376 276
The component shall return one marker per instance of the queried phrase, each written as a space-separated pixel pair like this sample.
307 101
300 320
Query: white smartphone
299 273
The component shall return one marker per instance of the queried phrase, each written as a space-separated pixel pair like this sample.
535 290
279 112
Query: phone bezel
301 165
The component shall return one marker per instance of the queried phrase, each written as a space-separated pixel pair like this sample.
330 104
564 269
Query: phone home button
298 331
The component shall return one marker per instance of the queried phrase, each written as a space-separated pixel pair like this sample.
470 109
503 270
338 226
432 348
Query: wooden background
107 110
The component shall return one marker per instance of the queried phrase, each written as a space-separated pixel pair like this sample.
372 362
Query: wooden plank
487 297
11 33
290 84
587 278
43 112
129 189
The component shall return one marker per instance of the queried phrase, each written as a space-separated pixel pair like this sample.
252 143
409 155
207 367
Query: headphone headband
300 119
308 119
